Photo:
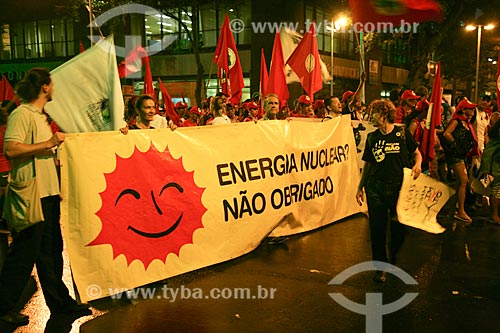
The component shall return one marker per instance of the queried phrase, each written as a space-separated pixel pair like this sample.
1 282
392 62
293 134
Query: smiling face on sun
150 207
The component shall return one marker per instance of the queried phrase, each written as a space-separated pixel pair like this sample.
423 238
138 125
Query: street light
479 28
340 23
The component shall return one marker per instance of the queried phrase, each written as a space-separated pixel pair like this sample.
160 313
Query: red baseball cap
251 105
319 104
409 94
195 110
180 105
305 99
465 104
346 95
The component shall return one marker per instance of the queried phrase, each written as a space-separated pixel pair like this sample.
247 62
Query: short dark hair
141 100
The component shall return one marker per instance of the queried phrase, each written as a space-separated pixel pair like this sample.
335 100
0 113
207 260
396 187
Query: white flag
420 200
87 93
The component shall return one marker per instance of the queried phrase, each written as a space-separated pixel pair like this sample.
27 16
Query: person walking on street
387 151
29 136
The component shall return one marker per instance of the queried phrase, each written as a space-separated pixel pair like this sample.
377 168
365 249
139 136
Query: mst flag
228 63
395 11
305 62
289 41
277 80
87 92
433 119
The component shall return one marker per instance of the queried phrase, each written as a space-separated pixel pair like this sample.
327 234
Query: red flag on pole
228 62
305 62
132 62
433 119
276 83
148 78
498 81
264 76
395 11
169 105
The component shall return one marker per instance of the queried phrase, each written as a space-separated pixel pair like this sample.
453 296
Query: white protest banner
87 93
420 200
152 204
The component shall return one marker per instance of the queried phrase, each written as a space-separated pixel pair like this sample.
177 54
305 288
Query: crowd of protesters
465 131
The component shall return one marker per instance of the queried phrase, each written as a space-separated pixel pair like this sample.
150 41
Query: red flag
228 63
264 76
132 62
82 48
169 105
276 83
6 91
395 11
433 119
498 81
148 78
305 62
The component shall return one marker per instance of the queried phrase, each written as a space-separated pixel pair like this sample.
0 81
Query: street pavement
457 275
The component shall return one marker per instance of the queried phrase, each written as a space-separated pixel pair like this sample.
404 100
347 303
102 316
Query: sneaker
380 276
15 318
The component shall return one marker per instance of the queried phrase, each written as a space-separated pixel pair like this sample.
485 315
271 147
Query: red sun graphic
151 207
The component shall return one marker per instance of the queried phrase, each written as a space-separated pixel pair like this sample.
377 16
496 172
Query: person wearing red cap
387 152
253 112
304 107
194 118
319 108
459 143
408 103
181 109
350 99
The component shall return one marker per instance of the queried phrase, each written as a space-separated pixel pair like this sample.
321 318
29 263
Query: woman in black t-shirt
387 152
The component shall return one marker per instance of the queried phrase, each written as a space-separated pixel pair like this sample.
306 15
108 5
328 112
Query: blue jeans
382 198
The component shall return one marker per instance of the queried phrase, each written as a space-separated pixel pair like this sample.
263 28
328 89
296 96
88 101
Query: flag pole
90 25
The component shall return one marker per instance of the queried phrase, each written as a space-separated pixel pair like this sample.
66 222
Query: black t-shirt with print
389 153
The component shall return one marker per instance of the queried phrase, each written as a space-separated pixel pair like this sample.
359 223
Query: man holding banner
387 152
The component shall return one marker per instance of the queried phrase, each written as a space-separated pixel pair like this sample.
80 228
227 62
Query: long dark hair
29 87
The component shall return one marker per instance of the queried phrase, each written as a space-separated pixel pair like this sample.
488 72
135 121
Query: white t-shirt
20 129
221 120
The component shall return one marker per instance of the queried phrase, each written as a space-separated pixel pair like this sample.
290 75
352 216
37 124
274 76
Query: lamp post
334 26
479 28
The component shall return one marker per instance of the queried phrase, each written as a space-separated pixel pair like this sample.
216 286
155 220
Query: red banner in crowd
169 105
228 62
277 80
433 119
305 62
